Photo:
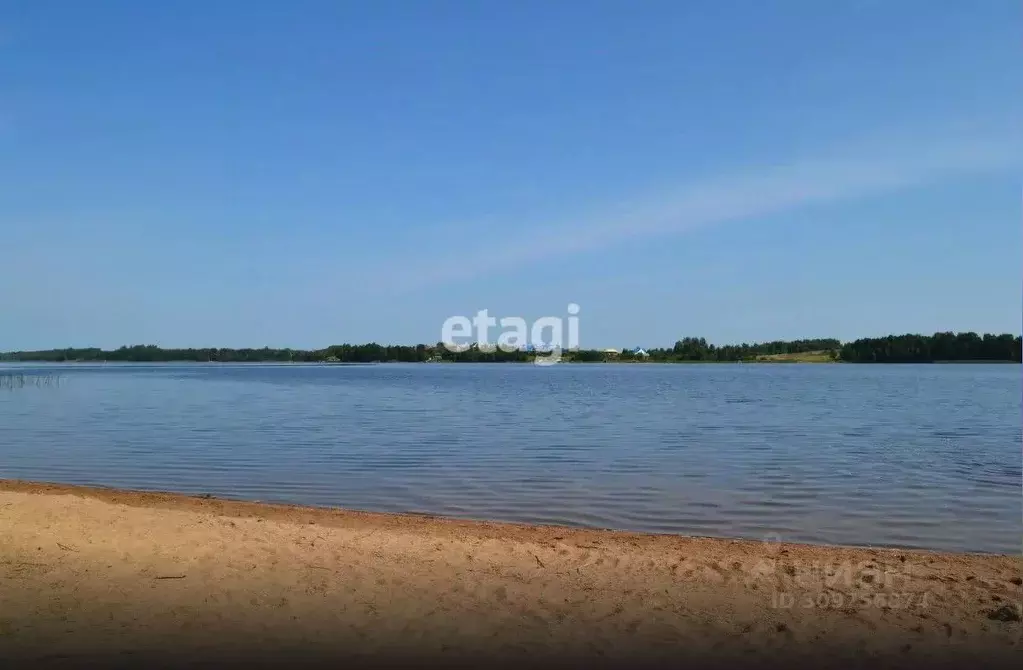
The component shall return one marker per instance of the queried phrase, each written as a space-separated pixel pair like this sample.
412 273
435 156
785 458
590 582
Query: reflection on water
17 380
916 456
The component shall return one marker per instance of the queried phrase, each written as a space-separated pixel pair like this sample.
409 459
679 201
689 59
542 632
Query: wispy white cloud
867 170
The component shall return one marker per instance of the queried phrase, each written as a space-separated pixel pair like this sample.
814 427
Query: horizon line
840 341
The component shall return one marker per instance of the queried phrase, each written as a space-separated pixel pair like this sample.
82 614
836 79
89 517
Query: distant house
639 352
611 352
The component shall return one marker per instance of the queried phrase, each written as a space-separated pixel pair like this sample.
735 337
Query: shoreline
31 362
330 515
100 574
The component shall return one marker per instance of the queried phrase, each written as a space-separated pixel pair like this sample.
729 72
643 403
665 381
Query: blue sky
301 174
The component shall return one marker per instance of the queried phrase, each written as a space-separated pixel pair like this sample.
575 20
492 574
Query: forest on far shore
909 348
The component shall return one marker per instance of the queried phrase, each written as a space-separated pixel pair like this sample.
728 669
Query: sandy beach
120 577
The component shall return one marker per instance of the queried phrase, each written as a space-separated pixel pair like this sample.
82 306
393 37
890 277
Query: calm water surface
914 456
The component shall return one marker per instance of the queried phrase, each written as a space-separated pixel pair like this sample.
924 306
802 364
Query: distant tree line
148 353
891 349
937 347
339 353
697 349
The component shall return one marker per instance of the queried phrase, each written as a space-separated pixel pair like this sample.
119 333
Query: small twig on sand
538 561
20 564
66 547
169 577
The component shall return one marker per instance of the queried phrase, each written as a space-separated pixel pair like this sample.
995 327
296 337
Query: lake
922 456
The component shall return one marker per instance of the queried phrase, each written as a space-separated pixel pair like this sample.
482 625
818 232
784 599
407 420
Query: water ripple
914 456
